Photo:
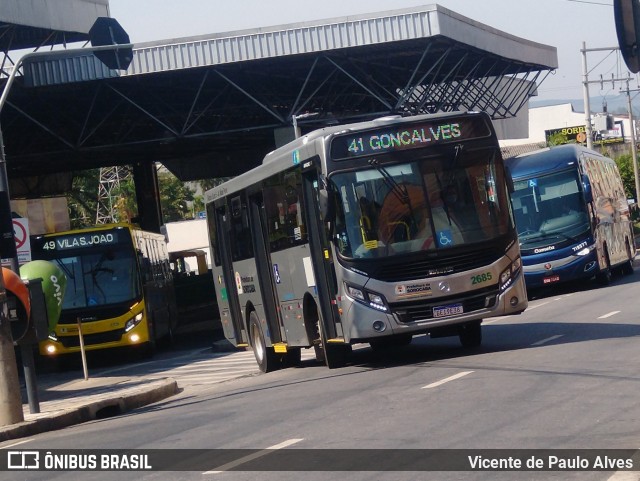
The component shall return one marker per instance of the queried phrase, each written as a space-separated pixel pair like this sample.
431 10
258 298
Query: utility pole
634 148
587 105
587 108
10 398
585 87
294 121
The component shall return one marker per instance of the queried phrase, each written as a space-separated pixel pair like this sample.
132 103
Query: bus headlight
52 336
368 298
507 276
133 322
586 250
355 293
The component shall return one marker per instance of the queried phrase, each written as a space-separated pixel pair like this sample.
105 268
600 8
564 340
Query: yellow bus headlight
133 322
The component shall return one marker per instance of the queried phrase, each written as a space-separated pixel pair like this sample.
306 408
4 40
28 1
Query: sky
564 24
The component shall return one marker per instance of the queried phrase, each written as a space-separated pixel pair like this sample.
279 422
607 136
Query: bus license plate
549 280
449 310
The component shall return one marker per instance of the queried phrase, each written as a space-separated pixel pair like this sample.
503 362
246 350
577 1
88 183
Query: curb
118 403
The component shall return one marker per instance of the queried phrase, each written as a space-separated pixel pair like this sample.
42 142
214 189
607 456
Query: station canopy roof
27 24
213 106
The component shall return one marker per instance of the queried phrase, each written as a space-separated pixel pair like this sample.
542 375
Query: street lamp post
294 121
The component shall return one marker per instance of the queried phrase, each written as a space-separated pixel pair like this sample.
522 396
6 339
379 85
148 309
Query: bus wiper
401 192
546 235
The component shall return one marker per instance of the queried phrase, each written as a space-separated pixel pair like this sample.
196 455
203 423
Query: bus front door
335 351
263 267
223 227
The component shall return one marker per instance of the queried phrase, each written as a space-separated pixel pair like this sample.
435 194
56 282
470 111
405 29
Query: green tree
176 198
83 198
625 166
556 139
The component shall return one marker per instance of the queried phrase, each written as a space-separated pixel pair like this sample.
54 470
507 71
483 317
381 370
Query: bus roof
310 144
548 159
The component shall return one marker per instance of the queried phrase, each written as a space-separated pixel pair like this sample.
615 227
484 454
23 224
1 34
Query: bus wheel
293 357
335 355
627 267
604 276
470 334
265 356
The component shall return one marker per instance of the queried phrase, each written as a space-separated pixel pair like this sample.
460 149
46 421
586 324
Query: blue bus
572 216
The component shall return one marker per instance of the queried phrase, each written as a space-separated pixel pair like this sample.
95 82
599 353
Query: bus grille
90 339
422 268
408 312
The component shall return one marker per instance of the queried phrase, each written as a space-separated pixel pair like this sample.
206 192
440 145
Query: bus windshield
549 209
427 204
99 277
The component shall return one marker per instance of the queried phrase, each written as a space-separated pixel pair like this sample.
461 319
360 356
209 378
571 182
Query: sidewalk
78 401
96 398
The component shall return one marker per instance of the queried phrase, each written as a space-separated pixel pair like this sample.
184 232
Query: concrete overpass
213 106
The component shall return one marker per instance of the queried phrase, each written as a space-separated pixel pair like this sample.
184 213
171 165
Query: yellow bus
119 286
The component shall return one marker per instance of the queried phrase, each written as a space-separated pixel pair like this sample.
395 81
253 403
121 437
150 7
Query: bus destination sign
408 136
79 241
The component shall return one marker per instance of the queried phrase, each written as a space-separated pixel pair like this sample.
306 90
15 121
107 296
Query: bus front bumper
368 324
561 270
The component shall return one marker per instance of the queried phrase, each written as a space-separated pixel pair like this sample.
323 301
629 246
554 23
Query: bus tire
293 357
604 276
470 334
335 355
265 356
627 267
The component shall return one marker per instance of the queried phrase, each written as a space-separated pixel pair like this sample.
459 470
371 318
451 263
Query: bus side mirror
327 201
510 186
586 189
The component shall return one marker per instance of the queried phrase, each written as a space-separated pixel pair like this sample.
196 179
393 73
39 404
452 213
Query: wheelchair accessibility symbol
276 273
444 238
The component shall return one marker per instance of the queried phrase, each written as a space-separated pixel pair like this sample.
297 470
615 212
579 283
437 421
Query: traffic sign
107 31
627 19
21 235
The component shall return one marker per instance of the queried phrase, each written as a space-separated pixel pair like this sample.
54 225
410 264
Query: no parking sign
23 243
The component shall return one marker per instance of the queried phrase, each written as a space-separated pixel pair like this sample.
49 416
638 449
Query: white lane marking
450 378
17 443
251 457
548 339
609 314
538 305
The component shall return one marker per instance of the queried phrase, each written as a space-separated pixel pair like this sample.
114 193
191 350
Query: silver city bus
367 233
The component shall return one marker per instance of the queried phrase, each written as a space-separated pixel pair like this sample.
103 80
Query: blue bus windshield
549 209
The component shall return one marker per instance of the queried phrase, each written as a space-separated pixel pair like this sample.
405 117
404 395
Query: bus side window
242 246
283 206
145 267
213 233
